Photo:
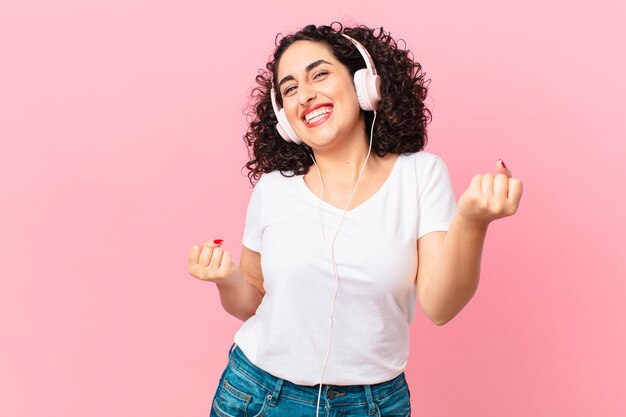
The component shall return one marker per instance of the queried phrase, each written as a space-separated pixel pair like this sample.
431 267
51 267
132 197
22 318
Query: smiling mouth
317 115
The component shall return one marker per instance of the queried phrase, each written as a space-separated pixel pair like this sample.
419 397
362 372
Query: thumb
213 243
502 169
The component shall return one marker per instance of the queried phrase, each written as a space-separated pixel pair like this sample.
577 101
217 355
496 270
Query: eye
320 74
289 90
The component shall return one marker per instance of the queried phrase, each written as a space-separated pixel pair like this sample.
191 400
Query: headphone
366 84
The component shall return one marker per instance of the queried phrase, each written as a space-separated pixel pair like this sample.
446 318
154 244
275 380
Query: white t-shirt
376 257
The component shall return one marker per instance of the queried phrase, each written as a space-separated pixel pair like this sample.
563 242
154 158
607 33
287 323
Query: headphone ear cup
282 125
367 86
284 128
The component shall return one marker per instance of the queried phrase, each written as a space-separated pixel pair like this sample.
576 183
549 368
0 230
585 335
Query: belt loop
272 398
370 400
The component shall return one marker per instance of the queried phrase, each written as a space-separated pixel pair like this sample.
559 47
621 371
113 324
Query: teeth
317 114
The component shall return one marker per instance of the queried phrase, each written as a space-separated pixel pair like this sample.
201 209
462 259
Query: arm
449 262
449 269
242 294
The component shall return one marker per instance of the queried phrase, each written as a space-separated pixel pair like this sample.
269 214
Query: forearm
238 297
455 276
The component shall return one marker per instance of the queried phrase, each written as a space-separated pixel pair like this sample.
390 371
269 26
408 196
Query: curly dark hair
401 117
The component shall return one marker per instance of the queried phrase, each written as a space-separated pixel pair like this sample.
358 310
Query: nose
306 93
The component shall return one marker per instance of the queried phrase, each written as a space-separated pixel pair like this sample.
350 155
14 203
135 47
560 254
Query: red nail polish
218 241
502 162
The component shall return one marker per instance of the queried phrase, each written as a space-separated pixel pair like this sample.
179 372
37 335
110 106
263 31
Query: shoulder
276 180
421 157
424 162
277 177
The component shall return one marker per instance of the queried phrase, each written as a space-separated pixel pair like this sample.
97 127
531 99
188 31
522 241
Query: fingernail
502 162
218 241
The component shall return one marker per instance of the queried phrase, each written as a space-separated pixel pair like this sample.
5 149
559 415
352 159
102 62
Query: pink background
120 129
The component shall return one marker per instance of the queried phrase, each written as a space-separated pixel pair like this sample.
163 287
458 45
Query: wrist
229 281
470 224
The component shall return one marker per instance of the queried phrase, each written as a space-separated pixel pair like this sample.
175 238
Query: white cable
332 252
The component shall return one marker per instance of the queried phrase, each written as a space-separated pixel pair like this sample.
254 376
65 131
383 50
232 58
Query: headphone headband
366 56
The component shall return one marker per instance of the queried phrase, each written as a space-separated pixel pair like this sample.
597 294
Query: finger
476 183
207 251
216 258
194 254
213 242
501 187
487 184
502 169
225 264
205 256
515 191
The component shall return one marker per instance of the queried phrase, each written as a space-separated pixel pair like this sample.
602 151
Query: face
318 95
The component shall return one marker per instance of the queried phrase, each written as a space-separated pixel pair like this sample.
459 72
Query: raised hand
490 197
211 263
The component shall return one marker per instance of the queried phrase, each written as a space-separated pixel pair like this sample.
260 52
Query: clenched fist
211 263
490 197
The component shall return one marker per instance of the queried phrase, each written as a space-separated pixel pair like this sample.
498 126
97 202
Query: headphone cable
332 251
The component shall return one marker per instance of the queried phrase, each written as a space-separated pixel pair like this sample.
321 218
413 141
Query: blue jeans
245 390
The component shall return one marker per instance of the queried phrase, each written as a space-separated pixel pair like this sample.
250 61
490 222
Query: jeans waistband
338 394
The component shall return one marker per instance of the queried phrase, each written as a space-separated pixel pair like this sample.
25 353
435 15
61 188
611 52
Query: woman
327 314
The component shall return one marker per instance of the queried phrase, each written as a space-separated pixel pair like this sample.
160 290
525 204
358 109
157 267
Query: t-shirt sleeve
253 230
437 203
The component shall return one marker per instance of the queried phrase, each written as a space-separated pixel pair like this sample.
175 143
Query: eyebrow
308 68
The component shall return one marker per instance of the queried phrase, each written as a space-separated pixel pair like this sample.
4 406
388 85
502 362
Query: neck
344 165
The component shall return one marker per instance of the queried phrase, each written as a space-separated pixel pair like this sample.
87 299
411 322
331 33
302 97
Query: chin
320 142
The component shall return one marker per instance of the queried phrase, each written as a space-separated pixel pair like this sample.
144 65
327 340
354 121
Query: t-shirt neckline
365 203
